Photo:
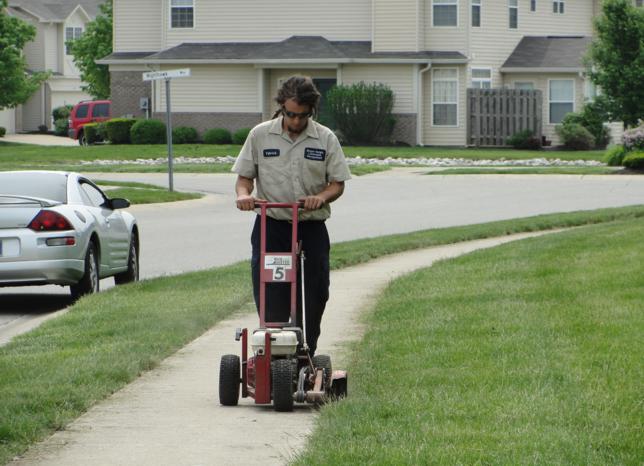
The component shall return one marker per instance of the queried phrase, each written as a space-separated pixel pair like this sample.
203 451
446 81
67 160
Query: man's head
298 99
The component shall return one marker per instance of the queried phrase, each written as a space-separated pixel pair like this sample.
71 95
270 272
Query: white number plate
279 265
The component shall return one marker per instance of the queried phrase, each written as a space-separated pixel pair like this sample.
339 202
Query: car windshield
52 186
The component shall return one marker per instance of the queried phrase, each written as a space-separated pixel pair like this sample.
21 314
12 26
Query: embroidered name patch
271 152
312 153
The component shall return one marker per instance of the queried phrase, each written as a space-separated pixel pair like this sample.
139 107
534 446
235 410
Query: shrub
575 136
117 130
43 129
592 117
217 136
61 126
363 112
184 135
240 136
634 138
3 131
62 112
634 160
614 156
92 134
148 132
524 140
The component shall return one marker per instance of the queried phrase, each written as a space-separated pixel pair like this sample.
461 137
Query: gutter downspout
419 105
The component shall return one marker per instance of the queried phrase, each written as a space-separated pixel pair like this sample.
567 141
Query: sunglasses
290 114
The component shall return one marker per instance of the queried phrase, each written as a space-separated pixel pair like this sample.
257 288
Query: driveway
39 139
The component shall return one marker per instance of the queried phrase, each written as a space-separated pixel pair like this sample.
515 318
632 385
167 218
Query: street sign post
167 75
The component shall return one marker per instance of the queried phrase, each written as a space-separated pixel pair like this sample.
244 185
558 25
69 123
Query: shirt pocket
273 170
313 175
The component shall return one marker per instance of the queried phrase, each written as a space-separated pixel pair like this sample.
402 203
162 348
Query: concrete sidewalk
172 415
39 139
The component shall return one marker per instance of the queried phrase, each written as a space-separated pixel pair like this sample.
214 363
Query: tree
616 59
16 84
94 44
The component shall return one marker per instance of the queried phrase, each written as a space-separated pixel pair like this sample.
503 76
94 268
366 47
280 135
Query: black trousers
315 244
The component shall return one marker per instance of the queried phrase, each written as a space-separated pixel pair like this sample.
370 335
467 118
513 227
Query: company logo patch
312 153
271 152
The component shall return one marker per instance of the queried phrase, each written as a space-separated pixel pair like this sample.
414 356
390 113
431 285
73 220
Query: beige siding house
428 51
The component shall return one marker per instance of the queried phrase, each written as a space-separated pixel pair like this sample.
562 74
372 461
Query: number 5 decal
279 274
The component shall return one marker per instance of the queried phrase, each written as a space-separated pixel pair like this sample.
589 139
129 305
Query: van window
81 111
101 110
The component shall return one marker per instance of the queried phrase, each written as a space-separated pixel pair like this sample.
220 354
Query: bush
592 117
62 112
240 136
92 133
524 140
43 129
217 136
184 135
634 160
575 136
634 138
362 112
3 131
614 156
117 130
61 126
148 132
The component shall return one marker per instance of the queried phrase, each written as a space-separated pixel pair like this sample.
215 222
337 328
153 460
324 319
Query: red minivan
89 111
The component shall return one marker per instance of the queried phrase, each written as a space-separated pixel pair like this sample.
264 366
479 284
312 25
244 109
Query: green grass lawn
54 373
528 353
143 193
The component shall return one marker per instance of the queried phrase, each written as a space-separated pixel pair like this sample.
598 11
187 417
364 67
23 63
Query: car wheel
82 140
89 283
132 272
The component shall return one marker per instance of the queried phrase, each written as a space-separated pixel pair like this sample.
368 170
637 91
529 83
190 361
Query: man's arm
244 187
332 191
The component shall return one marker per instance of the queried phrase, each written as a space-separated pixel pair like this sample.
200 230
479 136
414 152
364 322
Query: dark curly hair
302 90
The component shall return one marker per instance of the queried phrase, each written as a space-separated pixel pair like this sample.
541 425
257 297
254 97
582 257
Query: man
293 158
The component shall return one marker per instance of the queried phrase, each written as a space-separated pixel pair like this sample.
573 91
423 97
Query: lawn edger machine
280 369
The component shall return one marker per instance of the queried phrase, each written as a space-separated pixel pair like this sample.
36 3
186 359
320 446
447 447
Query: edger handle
279 205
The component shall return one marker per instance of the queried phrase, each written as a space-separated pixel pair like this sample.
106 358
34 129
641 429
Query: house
57 22
428 51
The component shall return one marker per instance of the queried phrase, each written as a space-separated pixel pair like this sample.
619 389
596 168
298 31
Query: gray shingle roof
56 10
548 52
293 48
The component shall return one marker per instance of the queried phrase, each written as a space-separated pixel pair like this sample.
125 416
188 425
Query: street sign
168 74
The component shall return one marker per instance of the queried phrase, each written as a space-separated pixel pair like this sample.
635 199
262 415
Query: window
444 97
445 12
71 34
639 2
481 78
476 13
94 196
101 110
81 111
558 6
524 85
182 13
513 9
533 5
590 90
562 98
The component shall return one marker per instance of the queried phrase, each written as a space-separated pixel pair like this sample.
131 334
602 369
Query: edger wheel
229 379
324 362
282 377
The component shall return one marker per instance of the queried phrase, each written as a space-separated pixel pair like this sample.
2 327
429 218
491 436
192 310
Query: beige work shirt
287 170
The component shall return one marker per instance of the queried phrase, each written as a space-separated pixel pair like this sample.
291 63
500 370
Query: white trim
458 98
260 90
420 110
338 75
457 5
194 17
373 26
514 83
541 70
79 7
275 63
574 97
471 74
559 3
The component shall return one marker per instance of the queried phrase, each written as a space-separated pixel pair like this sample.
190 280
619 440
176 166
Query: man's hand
245 202
313 202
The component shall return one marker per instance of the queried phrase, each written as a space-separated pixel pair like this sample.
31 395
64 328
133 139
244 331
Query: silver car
60 228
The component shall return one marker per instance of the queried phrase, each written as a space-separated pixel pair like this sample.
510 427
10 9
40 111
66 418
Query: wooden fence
493 115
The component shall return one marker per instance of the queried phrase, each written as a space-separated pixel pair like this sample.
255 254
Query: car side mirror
118 203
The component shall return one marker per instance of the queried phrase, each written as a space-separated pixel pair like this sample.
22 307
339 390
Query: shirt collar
311 129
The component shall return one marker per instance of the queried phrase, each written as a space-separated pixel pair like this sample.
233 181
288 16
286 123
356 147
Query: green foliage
3 131
575 137
592 117
184 135
616 59
148 132
240 136
61 126
634 160
92 134
217 136
16 84
634 138
615 156
43 129
62 112
95 43
117 130
524 140
362 112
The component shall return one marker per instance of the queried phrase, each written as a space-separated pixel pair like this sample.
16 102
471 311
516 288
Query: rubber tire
283 379
90 282
82 140
132 272
324 361
229 380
